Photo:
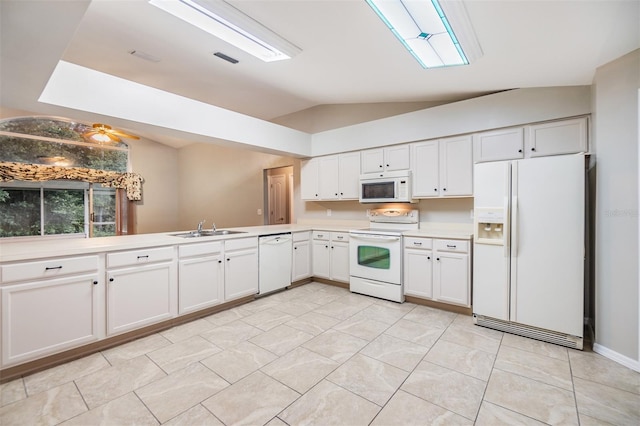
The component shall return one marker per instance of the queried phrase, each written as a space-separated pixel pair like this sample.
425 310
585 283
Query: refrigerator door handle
506 228
514 229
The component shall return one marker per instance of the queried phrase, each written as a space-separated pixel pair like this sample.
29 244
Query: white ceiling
348 55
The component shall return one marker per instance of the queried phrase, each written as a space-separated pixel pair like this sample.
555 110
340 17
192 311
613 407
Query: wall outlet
328 212
259 212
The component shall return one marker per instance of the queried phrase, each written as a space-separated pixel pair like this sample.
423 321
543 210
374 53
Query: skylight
427 33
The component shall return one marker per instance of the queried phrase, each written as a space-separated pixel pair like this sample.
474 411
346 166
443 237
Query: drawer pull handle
340 237
49 268
143 257
95 282
415 243
451 246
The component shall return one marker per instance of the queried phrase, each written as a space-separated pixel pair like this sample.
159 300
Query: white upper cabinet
558 137
503 144
535 140
332 177
387 159
442 168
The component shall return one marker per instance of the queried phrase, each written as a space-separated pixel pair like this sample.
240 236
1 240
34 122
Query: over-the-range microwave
389 187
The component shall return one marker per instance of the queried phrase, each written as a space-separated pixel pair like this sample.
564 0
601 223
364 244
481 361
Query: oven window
378 190
374 257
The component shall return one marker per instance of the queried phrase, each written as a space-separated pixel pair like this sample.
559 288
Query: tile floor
318 354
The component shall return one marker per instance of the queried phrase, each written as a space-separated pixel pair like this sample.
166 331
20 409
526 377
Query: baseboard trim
617 357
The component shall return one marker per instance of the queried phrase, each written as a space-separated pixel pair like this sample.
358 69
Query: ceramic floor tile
449 389
472 362
296 308
543 402
267 319
473 336
406 409
49 407
430 316
336 345
178 355
184 331
607 404
369 378
276 422
535 346
281 339
300 369
64 373
196 416
397 352
492 415
364 328
127 409
135 348
12 391
339 309
239 361
231 334
227 316
329 404
425 335
596 368
256 399
313 323
542 368
106 385
387 314
181 390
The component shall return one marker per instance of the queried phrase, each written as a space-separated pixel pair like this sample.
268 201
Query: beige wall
223 185
615 127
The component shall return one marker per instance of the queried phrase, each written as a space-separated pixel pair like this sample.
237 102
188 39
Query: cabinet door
504 144
456 166
349 176
241 273
200 283
310 179
451 278
372 160
301 266
560 137
44 317
396 158
140 296
340 262
418 273
425 169
329 180
321 259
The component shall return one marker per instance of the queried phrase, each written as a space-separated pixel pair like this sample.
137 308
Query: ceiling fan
104 133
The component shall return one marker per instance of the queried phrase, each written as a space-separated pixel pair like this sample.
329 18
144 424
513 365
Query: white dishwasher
274 259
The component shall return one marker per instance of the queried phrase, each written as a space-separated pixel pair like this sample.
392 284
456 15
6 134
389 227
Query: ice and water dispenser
489 225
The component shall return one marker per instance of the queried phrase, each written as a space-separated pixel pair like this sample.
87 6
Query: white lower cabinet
48 307
301 262
241 268
438 269
200 276
331 255
143 291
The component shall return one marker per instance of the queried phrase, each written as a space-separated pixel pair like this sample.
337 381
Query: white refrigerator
529 247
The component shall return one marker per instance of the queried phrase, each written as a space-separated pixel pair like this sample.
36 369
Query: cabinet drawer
201 249
301 236
418 243
49 268
136 257
458 246
339 236
241 244
321 235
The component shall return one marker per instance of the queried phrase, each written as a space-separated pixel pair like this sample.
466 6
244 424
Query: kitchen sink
196 234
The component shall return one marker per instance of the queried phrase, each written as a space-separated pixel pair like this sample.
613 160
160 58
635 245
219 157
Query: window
30 207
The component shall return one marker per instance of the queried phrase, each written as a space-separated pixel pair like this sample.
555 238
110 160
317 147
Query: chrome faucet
200 226
214 227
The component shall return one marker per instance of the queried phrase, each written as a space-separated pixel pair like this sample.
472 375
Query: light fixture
224 21
427 32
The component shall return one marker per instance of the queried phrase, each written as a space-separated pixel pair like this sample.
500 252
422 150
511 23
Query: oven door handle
384 238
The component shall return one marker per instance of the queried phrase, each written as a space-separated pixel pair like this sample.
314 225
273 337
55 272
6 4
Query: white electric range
376 253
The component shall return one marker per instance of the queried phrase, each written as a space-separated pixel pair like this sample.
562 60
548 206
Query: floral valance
130 182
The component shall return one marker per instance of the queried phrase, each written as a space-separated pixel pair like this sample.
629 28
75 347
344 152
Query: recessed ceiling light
224 21
226 57
427 32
